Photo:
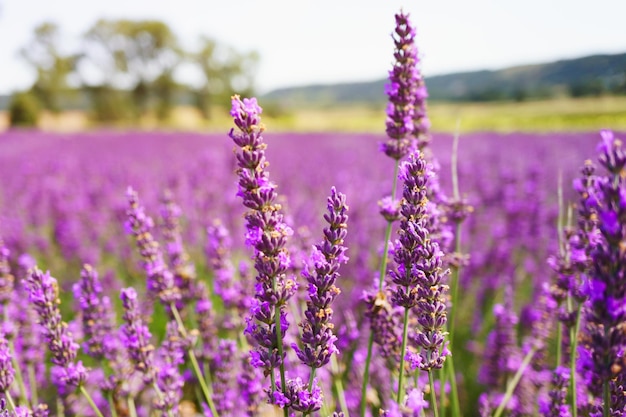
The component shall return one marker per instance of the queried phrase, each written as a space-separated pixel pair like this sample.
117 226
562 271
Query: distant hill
587 76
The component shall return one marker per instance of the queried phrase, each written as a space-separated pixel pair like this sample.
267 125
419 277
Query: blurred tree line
125 69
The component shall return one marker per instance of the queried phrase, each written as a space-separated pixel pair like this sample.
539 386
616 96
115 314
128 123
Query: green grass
549 115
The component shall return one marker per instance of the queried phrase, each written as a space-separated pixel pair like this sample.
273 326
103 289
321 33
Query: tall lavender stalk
321 273
267 233
44 295
604 338
418 271
7 372
136 339
399 128
161 281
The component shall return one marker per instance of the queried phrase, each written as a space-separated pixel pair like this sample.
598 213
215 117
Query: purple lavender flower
419 275
169 380
136 336
6 279
224 393
183 269
321 273
298 397
401 91
97 315
160 279
207 328
251 389
6 366
267 233
218 250
603 336
44 295
557 406
383 323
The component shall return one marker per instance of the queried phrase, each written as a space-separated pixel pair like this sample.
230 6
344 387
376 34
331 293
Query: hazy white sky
319 41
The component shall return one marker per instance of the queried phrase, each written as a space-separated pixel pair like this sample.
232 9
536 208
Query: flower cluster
160 278
603 336
267 233
401 90
321 273
43 291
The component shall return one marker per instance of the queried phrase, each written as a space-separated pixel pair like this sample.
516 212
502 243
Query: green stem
341 395
442 388
60 407
132 409
574 341
366 374
279 340
433 395
381 279
405 336
559 343
454 396
311 379
159 394
90 401
513 383
112 404
18 373
606 399
32 382
194 361
7 395
454 284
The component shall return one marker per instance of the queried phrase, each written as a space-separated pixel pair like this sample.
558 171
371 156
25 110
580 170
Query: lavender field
257 274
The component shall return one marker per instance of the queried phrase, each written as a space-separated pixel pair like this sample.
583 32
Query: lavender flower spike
136 336
44 295
321 274
401 91
97 319
603 336
267 233
160 279
426 273
7 372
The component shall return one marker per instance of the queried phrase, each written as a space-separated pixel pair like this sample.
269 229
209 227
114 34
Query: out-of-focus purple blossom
44 296
321 273
267 233
169 380
556 403
98 320
6 278
224 393
207 328
251 389
401 91
7 372
225 285
389 209
160 279
298 397
383 323
136 337
182 267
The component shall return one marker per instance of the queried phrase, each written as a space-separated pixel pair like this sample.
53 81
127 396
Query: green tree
23 110
138 56
225 71
53 68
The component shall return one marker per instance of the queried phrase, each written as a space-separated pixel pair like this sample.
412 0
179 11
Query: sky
326 41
